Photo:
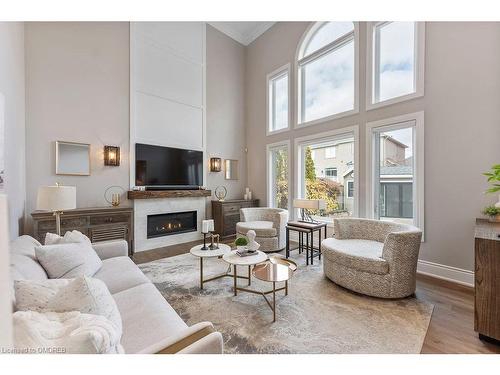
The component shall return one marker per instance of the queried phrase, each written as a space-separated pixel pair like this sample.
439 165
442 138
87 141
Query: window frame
419 66
395 123
277 73
332 169
299 82
269 178
300 142
334 153
350 182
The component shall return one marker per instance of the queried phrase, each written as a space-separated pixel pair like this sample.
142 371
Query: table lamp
57 199
308 204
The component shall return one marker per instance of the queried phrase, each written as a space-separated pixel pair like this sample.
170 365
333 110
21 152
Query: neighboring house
335 161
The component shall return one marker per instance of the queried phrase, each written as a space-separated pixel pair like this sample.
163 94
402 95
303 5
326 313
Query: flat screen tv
167 167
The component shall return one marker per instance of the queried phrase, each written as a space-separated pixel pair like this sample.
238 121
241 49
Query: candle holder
212 245
204 247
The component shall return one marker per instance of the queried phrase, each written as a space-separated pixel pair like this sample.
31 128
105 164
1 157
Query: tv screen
167 166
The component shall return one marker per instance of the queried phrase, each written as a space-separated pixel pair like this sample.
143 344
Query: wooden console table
99 223
227 213
487 280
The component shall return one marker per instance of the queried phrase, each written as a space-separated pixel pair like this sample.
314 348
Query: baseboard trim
444 272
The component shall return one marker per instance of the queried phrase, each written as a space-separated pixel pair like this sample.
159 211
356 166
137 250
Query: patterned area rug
317 316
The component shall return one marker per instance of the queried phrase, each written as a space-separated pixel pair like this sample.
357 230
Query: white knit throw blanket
69 332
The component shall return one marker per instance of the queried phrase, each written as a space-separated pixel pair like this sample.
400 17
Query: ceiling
243 32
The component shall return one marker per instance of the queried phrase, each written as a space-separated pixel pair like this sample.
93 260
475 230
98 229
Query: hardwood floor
452 325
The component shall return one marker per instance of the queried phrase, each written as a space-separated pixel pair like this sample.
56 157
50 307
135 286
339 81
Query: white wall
77 89
226 109
462 131
167 85
12 89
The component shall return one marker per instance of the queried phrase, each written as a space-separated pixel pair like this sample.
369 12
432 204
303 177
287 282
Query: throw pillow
60 333
84 294
73 236
68 260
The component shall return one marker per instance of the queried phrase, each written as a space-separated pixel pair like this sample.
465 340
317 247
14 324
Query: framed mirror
231 169
72 159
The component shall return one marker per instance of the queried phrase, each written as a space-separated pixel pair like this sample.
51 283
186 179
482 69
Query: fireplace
171 223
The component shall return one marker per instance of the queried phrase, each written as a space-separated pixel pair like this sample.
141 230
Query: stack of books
245 252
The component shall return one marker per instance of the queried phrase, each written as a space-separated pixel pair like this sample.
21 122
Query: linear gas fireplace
172 223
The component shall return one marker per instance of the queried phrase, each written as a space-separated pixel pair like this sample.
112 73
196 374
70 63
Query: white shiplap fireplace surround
167 108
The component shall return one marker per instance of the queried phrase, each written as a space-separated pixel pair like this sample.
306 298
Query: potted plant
494 178
241 243
493 213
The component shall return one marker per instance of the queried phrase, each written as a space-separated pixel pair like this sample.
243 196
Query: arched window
327 71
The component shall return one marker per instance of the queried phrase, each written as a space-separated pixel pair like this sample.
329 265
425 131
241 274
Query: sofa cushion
68 260
120 273
261 228
23 262
147 317
84 294
73 236
362 255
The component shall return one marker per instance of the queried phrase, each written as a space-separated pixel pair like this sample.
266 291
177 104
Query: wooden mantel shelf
155 194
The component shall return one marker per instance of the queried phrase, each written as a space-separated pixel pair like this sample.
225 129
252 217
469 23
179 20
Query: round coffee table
216 253
235 260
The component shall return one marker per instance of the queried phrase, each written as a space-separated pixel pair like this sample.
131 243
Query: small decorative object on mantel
207 226
248 194
215 164
112 156
112 195
493 211
220 193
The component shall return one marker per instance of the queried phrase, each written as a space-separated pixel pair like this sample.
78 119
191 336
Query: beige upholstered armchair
372 257
269 225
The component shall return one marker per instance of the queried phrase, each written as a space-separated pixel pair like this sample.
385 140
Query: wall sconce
112 156
215 164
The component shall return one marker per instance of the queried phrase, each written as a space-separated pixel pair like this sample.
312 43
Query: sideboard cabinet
487 280
227 213
99 224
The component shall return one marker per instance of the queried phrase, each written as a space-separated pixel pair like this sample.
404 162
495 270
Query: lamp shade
56 198
310 204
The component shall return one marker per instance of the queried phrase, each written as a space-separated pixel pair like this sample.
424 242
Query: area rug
317 316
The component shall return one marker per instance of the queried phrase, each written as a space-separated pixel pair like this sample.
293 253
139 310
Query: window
327 74
350 189
331 173
278 174
396 61
330 152
278 100
396 175
319 177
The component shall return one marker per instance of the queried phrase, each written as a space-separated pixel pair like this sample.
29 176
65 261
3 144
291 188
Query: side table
308 229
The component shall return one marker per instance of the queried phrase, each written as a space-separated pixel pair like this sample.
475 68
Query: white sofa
269 225
150 324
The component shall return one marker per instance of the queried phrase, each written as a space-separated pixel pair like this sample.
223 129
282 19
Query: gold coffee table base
226 274
264 294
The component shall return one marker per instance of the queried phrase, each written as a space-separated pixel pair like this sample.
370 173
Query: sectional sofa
150 324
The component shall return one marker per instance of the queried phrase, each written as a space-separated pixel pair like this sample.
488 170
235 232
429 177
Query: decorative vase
494 219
